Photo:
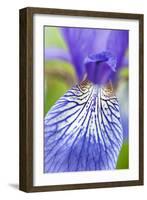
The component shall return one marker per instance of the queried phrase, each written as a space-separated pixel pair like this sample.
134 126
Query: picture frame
30 82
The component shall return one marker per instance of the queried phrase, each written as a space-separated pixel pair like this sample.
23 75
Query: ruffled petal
80 42
100 67
83 131
83 42
57 54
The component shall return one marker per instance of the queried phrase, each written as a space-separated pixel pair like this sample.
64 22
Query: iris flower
83 129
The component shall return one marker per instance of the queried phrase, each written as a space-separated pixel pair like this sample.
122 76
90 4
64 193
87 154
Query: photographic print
81 99
86 99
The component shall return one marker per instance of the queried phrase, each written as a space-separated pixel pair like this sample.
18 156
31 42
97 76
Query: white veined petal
82 131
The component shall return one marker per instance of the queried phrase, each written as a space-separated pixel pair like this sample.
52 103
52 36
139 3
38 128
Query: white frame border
39 178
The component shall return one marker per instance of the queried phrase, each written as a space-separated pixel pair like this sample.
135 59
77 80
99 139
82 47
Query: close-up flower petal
83 131
100 67
80 43
57 54
117 44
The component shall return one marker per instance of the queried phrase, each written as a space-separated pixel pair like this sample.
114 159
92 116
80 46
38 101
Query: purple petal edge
57 54
117 44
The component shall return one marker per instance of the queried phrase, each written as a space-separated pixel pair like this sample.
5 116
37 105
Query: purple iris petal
117 44
101 39
83 42
100 67
83 131
57 53
80 42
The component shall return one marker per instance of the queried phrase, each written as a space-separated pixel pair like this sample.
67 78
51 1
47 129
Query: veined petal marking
83 131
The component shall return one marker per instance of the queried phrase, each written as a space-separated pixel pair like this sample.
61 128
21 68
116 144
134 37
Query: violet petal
57 54
82 131
117 44
100 67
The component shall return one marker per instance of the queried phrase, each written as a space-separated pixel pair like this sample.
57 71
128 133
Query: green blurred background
60 76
